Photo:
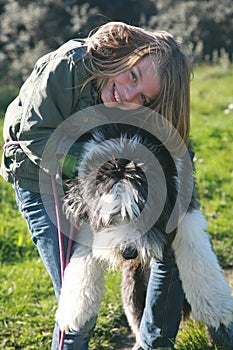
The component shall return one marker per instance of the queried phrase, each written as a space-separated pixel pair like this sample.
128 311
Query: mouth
116 96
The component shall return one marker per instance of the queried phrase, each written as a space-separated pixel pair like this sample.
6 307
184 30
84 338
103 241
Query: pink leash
10 143
64 262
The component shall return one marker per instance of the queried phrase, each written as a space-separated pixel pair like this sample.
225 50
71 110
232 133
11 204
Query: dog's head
111 186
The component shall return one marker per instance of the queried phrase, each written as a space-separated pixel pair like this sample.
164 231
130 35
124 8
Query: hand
68 165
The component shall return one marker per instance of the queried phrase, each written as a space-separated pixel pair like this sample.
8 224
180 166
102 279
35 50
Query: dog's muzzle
129 253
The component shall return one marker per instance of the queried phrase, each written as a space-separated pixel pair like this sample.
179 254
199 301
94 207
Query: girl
120 66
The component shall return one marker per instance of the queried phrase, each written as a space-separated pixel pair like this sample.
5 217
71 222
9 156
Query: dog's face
108 195
121 192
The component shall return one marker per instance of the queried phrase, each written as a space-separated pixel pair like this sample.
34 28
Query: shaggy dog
129 205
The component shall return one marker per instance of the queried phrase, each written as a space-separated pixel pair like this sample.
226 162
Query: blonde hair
116 47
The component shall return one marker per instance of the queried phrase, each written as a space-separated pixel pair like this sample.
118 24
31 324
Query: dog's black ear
74 207
129 252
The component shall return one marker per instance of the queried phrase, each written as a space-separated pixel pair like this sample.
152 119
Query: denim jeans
39 212
164 300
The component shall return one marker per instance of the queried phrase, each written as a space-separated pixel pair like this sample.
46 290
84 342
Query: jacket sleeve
48 98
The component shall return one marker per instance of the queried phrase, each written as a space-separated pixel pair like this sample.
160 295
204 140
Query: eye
134 77
144 99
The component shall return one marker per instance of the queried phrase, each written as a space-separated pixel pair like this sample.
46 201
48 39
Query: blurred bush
29 29
204 27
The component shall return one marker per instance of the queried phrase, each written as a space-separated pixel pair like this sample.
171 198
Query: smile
115 94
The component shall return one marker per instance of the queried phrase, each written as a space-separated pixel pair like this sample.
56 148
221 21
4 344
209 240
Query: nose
129 252
130 94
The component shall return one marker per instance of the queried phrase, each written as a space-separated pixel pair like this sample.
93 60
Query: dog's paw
66 319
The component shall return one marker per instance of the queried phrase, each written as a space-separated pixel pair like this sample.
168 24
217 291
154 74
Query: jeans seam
166 303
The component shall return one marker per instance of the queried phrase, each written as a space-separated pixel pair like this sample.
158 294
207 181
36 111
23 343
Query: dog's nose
129 253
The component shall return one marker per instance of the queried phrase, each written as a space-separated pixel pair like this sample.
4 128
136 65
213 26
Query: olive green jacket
49 112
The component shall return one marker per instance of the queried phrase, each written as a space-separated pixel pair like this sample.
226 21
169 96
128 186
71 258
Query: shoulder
73 51
63 64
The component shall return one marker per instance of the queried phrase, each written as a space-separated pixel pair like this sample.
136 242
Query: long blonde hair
116 47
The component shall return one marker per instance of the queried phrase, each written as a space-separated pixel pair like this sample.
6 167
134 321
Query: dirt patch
126 342
228 273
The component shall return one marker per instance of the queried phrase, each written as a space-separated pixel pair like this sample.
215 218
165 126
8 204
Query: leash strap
58 217
10 143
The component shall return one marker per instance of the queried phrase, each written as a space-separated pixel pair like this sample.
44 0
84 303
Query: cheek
107 86
104 91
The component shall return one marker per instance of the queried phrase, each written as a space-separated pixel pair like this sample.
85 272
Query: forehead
146 62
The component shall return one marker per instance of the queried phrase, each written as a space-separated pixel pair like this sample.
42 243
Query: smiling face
134 88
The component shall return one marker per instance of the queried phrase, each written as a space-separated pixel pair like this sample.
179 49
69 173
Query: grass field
27 303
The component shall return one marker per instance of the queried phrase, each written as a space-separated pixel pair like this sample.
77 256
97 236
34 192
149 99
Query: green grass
28 305
27 309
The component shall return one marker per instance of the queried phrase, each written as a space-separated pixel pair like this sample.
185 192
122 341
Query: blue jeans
42 225
164 300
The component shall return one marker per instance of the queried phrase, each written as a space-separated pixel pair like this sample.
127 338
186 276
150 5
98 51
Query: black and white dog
132 198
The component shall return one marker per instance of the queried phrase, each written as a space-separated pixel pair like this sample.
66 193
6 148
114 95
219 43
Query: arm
48 98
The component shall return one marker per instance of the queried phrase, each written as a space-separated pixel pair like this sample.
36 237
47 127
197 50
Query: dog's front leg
203 282
82 289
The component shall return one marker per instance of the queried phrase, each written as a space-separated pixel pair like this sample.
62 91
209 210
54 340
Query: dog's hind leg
133 291
82 289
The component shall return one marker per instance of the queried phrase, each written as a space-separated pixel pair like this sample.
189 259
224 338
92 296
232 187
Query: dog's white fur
204 284
82 290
